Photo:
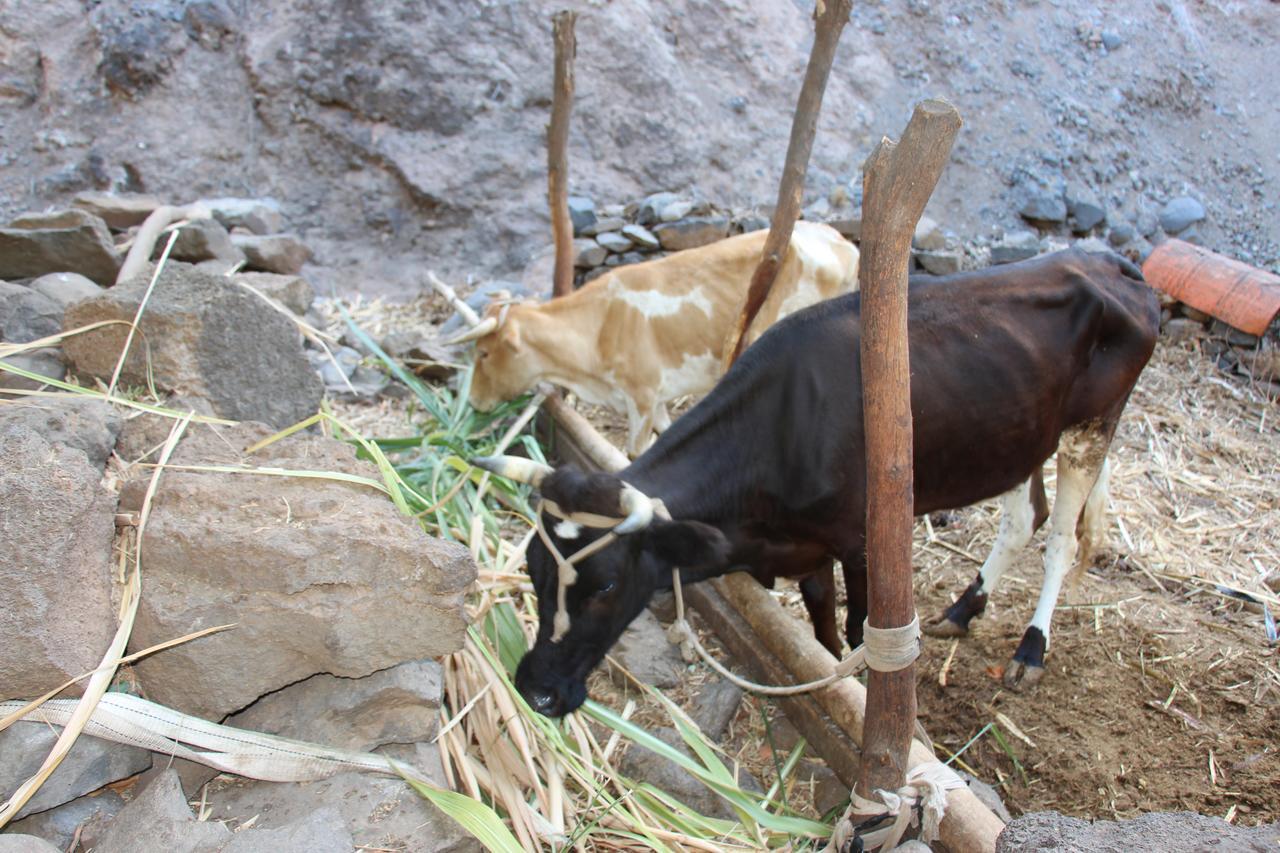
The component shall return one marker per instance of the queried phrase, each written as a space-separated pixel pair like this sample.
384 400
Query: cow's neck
567 360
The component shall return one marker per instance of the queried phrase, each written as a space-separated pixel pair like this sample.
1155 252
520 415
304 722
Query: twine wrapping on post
925 790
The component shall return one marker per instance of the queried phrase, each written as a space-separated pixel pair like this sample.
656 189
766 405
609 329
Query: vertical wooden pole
831 17
557 151
897 182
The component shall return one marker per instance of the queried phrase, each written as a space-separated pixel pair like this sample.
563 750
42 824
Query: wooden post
830 17
897 182
557 151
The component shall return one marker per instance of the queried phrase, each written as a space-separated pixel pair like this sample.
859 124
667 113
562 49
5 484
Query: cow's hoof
945 628
1018 675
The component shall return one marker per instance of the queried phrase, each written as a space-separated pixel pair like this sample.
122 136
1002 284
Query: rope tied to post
922 800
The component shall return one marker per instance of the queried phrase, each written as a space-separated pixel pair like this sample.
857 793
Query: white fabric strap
130 720
925 787
891 649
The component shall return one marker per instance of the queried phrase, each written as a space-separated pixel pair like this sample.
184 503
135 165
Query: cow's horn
514 468
484 327
637 506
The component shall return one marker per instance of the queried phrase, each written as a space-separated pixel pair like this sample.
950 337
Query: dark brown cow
766 474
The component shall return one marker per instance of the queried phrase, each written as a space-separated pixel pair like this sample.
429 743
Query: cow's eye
606 589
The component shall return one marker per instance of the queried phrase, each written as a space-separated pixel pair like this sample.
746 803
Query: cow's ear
689 544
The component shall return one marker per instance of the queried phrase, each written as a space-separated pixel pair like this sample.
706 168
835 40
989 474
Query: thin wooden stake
557 151
830 19
897 182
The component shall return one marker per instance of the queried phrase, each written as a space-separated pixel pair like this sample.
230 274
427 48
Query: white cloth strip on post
130 720
926 787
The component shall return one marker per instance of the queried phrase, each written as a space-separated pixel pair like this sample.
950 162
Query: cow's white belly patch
655 303
694 375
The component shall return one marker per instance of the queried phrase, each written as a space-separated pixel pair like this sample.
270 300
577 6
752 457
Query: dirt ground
1161 693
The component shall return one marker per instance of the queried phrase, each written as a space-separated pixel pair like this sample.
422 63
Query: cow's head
609 587
503 369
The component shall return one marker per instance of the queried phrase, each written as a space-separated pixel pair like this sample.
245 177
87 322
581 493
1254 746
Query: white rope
130 720
925 789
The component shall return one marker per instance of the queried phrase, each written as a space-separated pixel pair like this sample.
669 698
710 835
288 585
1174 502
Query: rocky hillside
404 135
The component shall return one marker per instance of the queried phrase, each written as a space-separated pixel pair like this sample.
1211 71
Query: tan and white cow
645 334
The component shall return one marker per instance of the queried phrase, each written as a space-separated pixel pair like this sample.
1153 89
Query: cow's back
820 264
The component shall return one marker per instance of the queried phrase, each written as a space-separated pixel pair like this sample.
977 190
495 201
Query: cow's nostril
542 702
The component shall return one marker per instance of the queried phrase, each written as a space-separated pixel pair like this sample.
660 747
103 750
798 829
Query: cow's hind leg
1082 454
819 593
1017 523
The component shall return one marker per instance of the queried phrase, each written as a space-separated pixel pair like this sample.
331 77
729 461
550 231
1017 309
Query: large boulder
1156 832
84 817
394 707
204 336
89 765
66 241
318 575
56 530
278 253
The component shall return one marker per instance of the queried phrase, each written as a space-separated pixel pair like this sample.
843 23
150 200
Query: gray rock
940 263
46 361
928 235
986 795
119 210
84 423
747 224
322 831
1017 246
27 315
160 819
1181 329
89 765
1180 214
614 242
65 287
1146 222
644 650
55 561
1139 250
582 213
1044 206
337 370
715 706
66 241
319 575
206 336
641 237
380 813
88 814
396 705
1093 245
1086 209
829 793
588 254
663 606
259 215
14 843
604 225
818 211
1121 234
1111 40
644 765
1156 832
691 233
278 253
850 227
291 291
203 240
650 210
675 211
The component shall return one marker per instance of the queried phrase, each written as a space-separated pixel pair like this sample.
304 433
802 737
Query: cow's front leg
819 593
1017 523
1081 457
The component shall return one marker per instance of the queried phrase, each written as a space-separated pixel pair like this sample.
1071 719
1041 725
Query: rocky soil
400 137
